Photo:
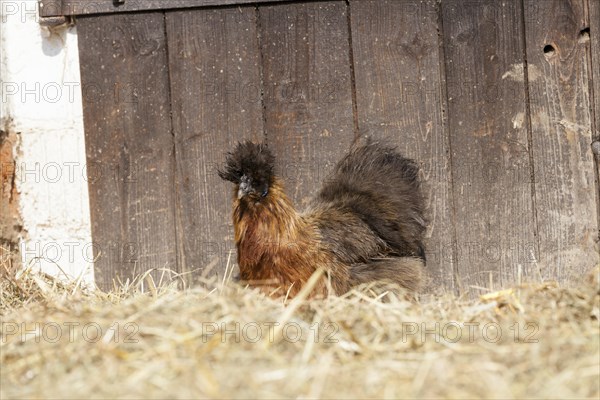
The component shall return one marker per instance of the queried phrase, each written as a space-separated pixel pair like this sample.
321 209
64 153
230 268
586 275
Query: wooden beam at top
51 8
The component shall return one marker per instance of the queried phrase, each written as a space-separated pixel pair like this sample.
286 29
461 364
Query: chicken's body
365 224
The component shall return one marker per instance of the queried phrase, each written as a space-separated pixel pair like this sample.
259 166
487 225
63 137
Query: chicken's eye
265 192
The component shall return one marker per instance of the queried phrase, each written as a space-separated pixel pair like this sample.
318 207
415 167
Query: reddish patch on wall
10 222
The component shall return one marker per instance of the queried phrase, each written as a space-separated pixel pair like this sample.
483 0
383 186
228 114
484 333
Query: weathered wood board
594 36
307 89
50 8
399 91
129 144
561 128
487 118
216 102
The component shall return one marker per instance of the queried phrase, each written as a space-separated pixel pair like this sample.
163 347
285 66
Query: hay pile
59 341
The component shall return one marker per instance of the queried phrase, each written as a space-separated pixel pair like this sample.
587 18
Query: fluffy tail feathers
382 187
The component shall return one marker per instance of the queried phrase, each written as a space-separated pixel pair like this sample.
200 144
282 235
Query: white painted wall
41 95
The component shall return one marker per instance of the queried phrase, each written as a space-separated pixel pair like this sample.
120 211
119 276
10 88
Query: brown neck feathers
274 243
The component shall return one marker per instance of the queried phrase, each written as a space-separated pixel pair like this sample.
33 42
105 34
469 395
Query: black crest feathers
250 159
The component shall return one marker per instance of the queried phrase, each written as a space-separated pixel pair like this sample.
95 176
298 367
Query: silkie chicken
366 224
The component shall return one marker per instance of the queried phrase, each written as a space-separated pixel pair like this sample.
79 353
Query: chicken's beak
244 187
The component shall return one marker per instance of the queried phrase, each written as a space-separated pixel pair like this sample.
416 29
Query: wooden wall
498 102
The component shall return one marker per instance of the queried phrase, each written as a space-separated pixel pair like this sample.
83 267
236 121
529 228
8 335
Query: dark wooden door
495 100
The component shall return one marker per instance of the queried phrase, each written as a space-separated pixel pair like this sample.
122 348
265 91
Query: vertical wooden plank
216 101
399 93
495 224
307 91
561 124
594 33
129 144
